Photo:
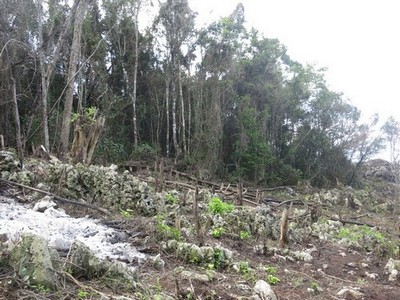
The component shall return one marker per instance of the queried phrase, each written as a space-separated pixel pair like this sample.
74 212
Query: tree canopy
220 101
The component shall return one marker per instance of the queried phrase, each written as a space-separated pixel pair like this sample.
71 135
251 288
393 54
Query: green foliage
89 113
166 231
171 199
217 206
272 279
144 152
40 288
244 268
255 113
83 294
369 238
217 232
271 275
127 213
244 235
357 233
315 288
271 270
218 256
247 273
252 152
110 151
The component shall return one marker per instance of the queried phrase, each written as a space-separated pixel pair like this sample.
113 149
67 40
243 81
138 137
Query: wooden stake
195 212
240 193
2 142
284 228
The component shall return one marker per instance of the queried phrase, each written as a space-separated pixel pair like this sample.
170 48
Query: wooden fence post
195 211
240 193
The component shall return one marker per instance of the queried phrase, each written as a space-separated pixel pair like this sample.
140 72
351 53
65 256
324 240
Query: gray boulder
83 263
33 261
263 291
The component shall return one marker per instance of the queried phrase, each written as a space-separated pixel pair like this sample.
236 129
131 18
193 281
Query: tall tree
74 59
176 22
17 65
49 51
391 130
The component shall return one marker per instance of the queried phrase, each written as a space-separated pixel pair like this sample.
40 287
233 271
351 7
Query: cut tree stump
86 135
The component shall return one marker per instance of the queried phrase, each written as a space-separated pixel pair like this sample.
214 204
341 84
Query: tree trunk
44 79
174 127
47 68
73 61
17 122
182 110
189 123
167 114
86 135
135 68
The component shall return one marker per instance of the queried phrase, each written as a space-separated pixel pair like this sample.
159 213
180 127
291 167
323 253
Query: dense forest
220 102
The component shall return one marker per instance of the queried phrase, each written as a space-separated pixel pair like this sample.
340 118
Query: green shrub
244 235
217 232
171 199
368 238
217 206
144 152
165 231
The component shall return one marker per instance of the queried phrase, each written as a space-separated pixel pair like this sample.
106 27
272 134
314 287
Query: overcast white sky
357 40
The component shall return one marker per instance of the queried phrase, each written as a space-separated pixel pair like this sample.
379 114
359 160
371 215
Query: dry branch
352 222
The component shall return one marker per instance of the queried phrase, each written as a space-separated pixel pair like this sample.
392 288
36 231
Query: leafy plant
89 113
217 232
171 199
244 267
244 235
248 274
144 152
369 237
314 287
127 213
217 258
40 288
209 270
82 294
271 270
271 278
165 230
217 206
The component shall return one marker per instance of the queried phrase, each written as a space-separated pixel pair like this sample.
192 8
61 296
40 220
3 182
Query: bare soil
332 269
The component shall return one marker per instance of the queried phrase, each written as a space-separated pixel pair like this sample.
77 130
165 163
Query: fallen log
352 222
57 198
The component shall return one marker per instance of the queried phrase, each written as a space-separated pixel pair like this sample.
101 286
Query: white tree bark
182 109
17 122
135 68
47 62
73 61
167 114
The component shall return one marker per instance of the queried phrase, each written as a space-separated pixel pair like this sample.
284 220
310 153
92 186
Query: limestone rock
44 204
83 263
195 276
33 260
263 291
218 255
8 161
350 293
392 269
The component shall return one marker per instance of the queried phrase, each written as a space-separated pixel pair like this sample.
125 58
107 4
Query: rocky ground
341 244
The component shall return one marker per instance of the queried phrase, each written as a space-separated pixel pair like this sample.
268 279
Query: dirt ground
334 268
